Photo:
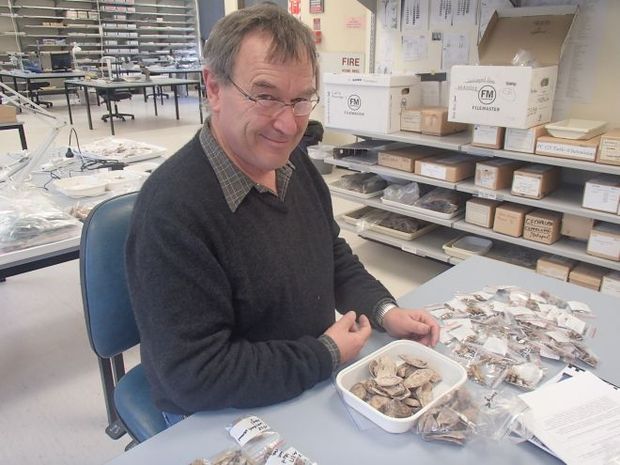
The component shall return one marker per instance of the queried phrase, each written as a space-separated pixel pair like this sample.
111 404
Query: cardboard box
411 120
523 140
611 284
609 148
602 193
8 114
507 95
488 136
542 226
604 241
450 168
535 181
576 227
587 275
404 159
368 102
584 150
495 173
481 211
555 266
509 219
435 122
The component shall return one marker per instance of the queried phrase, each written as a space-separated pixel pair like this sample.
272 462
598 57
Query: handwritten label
285 457
247 429
571 151
526 185
433 171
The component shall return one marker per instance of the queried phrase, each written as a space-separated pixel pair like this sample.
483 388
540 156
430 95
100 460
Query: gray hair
291 39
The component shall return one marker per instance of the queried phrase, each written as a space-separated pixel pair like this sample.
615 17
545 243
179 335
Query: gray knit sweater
230 305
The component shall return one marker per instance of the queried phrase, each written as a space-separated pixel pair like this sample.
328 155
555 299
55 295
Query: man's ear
213 89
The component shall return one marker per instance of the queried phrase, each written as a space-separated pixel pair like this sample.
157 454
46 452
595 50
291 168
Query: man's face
260 141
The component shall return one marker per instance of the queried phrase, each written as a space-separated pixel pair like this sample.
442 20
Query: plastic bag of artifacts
441 200
255 437
287 455
406 194
475 414
82 207
29 218
384 219
226 457
364 183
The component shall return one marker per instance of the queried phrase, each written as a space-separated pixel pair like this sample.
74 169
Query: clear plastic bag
441 200
364 183
256 439
524 58
407 194
500 417
29 218
226 457
286 455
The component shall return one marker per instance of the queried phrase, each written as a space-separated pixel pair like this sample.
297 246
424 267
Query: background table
110 87
320 425
19 125
29 76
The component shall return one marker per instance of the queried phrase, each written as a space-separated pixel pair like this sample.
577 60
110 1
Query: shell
418 378
397 409
378 402
425 394
360 391
416 362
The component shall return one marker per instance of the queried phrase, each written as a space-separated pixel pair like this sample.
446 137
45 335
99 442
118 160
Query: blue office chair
110 321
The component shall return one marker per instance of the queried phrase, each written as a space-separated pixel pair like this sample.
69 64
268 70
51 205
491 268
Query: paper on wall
388 14
464 12
441 13
454 50
415 47
415 15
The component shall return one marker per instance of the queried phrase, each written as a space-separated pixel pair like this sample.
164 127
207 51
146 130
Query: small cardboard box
584 150
488 136
523 140
481 211
576 227
509 219
609 149
611 284
555 266
587 275
368 102
8 114
604 241
542 226
535 181
602 193
435 122
405 158
507 95
411 119
452 168
495 173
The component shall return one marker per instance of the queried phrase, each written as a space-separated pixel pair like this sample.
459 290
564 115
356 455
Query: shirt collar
235 184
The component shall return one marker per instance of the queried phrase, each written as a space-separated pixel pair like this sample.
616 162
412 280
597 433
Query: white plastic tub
467 246
80 186
453 375
576 128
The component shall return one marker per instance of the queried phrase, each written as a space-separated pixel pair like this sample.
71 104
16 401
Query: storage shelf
376 203
543 159
389 172
565 247
566 199
428 245
451 142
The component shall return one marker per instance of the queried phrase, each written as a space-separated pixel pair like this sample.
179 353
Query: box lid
378 80
539 30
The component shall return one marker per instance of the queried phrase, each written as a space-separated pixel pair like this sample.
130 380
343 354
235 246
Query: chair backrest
109 318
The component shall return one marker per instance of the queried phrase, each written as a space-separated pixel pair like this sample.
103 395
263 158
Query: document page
577 419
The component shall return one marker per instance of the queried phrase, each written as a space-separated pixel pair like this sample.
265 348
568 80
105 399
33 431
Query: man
234 262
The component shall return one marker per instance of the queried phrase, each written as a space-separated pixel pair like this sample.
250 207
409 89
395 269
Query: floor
51 405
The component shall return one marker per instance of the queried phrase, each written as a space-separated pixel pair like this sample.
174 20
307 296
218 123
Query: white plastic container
576 129
80 186
453 375
467 246
122 180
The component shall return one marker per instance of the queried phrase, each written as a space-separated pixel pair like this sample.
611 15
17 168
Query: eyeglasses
270 105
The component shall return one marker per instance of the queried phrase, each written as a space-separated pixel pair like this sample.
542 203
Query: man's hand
418 325
349 335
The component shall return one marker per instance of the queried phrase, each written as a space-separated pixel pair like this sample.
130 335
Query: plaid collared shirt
235 183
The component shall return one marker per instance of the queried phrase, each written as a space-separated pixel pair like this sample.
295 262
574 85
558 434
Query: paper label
411 120
477 214
462 332
571 322
519 140
496 345
526 185
247 429
457 305
578 306
572 151
604 245
558 336
610 286
519 310
284 457
489 195
599 197
610 149
485 134
433 171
